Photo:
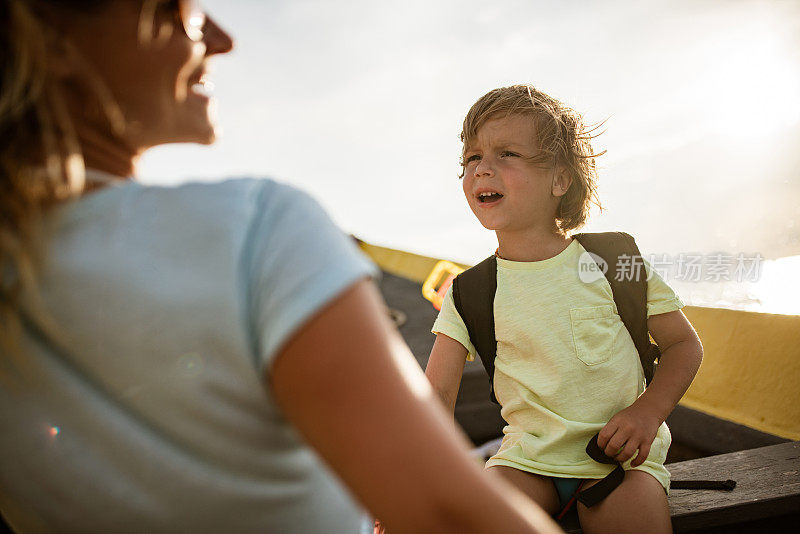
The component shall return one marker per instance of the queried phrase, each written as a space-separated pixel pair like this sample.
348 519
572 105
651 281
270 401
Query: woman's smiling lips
200 85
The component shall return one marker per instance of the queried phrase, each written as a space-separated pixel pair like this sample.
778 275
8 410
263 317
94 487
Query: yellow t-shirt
565 364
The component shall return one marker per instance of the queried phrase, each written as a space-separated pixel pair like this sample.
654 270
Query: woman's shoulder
192 203
192 220
230 193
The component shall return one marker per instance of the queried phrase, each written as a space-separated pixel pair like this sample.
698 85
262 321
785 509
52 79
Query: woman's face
155 73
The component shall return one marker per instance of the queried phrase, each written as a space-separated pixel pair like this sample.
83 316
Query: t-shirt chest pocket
594 329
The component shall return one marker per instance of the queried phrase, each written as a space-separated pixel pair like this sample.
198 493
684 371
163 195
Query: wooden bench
766 498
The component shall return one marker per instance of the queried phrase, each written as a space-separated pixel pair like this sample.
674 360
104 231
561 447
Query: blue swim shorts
566 488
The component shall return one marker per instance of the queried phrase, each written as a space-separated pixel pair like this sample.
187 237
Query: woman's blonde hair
41 162
562 138
40 158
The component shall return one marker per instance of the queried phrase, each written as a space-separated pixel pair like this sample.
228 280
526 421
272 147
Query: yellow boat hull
751 366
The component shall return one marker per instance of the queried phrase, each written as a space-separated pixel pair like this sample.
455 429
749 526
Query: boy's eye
506 153
473 157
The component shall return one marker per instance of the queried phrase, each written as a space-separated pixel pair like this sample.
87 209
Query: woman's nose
217 40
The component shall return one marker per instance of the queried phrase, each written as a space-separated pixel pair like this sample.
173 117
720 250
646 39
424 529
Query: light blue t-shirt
157 416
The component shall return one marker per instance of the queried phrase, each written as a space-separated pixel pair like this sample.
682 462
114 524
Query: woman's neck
109 156
531 245
121 168
103 149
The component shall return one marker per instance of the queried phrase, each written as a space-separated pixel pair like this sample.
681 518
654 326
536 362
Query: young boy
566 367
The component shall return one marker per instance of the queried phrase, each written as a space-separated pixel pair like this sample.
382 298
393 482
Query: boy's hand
632 429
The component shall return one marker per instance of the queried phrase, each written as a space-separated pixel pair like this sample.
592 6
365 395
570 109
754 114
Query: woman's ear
561 181
58 60
62 60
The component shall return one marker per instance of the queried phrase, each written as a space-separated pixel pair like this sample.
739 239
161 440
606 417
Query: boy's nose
483 167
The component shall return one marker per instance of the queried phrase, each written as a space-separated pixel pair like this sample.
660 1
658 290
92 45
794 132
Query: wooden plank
767 484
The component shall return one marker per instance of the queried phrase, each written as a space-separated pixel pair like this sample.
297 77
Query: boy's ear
561 181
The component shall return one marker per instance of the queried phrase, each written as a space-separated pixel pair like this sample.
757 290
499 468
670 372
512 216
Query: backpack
474 290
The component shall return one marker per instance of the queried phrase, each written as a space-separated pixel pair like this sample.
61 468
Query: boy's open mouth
489 197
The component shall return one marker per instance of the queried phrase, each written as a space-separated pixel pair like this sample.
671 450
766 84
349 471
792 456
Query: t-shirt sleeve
449 323
661 298
297 261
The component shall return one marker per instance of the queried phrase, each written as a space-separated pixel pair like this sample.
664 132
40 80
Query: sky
361 102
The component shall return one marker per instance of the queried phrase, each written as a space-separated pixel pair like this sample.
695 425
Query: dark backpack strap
593 495
725 485
625 272
473 295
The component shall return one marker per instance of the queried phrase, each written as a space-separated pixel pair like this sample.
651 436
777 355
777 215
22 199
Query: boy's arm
636 426
445 367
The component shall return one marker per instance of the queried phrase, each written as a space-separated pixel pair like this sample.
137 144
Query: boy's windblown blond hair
562 138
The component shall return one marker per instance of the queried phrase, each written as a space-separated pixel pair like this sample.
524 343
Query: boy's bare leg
539 488
637 505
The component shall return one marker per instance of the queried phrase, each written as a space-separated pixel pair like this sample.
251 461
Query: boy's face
506 191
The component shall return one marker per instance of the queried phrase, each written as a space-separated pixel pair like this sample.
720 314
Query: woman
163 349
